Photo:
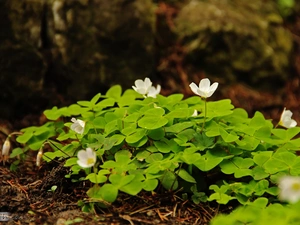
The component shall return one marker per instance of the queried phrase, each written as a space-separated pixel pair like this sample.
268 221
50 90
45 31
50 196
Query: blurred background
54 52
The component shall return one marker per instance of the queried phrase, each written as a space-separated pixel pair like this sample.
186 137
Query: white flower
289 189
6 147
78 125
195 113
86 158
204 90
286 119
142 87
154 91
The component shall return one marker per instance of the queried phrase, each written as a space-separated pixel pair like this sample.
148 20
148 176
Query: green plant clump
209 150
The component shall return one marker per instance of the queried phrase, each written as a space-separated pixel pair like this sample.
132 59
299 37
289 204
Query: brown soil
26 195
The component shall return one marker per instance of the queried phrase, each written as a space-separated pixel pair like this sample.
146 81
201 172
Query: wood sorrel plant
142 139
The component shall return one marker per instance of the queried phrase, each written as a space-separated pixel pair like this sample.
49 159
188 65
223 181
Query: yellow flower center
296 186
90 161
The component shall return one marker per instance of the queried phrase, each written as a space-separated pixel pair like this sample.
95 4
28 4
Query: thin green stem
205 113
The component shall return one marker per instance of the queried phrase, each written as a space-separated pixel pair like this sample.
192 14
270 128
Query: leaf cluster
146 143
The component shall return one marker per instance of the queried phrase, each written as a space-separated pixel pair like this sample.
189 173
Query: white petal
293 123
154 91
83 164
288 113
158 89
147 83
134 88
73 120
194 88
204 85
91 153
81 123
82 155
139 83
212 89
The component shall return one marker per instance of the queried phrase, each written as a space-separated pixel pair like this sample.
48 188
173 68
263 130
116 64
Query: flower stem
205 113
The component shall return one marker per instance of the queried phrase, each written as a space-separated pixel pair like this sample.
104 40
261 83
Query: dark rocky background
54 52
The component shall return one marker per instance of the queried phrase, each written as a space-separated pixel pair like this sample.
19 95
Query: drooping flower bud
39 157
6 147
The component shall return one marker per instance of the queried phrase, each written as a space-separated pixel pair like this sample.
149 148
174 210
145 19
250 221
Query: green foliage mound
143 144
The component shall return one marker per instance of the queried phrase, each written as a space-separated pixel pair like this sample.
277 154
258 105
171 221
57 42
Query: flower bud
6 147
39 157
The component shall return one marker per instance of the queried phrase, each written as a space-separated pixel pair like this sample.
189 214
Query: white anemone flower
6 147
204 90
78 125
142 87
286 119
154 91
289 189
86 158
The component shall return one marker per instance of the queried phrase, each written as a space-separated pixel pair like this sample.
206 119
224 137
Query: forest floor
26 193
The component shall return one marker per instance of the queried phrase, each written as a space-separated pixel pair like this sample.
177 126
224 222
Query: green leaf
134 187
114 92
85 104
237 165
219 108
96 178
24 137
169 181
259 121
228 137
99 122
260 158
95 99
202 141
186 176
259 173
170 100
104 104
132 117
119 180
71 161
156 134
136 136
221 198
180 113
123 157
191 158
152 122
54 113
126 100
178 127
165 145
248 143
155 112
286 134
208 161
108 192
154 157
150 184
15 152
140 143
280 161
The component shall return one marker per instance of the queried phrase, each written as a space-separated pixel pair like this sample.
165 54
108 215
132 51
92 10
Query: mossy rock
241 40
